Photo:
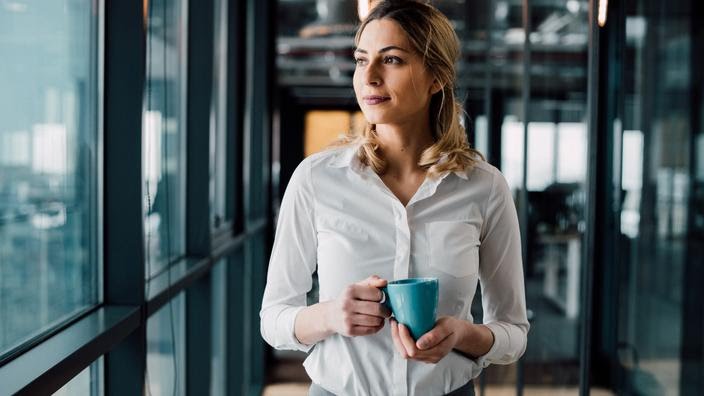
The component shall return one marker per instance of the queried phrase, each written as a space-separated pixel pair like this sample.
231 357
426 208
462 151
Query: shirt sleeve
501 277
292 263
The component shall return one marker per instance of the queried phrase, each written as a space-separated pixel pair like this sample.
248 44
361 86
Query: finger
438 352
375 281
407 341
364 330
397 340
433 337
367 293
371 308
366 320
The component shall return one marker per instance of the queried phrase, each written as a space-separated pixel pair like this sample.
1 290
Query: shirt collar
347 156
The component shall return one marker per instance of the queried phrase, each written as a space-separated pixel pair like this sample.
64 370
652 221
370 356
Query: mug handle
384 297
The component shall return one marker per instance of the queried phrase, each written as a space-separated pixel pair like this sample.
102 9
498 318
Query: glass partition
49 166
655 135
164 134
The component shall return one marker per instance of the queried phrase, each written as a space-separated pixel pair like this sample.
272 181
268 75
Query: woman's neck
402 146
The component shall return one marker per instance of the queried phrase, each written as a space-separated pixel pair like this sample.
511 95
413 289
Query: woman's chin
376 119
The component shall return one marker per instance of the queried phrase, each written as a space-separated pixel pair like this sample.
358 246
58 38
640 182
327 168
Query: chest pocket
454 248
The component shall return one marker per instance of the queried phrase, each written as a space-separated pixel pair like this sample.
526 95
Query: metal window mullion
588 253
692 348
236 88
200 50
235 357
259 89
199 336
125 75
200 88
523 194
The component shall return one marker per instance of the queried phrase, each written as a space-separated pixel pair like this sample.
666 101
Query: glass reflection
656 178
166 349
48 166
164 133
220 206
87 382
218 381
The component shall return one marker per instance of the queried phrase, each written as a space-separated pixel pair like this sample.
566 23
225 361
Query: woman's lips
375 100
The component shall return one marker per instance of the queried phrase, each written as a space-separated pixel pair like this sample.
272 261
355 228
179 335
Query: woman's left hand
433 345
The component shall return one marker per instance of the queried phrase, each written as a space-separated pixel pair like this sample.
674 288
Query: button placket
403 242
401 263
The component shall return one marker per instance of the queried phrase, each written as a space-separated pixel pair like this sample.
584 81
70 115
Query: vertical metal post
523 200
259 90
200 83
124 257
491 126
595 185
692 350
201 49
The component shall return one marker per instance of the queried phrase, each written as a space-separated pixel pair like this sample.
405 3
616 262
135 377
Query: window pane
220 207
48 162
219 312
656 250
166 349
164 134
555 184
87 382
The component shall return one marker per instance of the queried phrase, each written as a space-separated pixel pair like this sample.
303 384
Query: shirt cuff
497 353
287 321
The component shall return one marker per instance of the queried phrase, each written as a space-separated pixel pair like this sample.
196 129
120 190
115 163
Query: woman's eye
359 61
393 60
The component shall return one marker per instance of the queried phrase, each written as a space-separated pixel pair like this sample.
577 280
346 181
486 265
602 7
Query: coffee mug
413 302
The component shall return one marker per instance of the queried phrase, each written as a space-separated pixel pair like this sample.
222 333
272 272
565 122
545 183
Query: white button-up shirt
337 216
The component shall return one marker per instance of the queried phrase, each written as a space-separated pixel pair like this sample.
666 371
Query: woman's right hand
357 310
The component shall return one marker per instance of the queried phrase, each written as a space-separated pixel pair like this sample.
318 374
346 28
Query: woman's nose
371 76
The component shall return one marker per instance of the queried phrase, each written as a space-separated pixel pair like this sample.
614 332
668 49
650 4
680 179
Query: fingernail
422 344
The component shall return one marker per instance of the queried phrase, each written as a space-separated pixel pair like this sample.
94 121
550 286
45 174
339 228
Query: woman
406 198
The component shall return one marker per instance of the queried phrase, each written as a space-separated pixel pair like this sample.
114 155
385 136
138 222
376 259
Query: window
49 213
164 134
87 382
221 205
166 347
218 360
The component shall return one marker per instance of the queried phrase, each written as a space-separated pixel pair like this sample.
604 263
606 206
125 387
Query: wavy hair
432 36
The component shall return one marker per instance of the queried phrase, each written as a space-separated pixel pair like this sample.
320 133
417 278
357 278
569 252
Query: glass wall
87 382
164 134
93 170
49 166
221 207
218 279
657 134
552 206
166 349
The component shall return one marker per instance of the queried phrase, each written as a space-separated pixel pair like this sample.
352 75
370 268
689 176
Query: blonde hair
432 36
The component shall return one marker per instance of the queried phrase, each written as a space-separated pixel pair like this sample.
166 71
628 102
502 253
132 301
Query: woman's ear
436 87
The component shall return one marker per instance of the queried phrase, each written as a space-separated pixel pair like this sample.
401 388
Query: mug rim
412 281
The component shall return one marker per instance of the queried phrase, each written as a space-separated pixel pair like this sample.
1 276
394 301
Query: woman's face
390 81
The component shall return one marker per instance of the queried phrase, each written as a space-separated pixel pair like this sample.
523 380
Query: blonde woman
406 198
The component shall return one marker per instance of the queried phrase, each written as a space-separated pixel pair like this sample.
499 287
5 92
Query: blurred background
145 147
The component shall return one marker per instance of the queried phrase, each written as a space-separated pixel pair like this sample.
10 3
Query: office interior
145 147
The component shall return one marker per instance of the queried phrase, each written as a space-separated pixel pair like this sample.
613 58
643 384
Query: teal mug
413 302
